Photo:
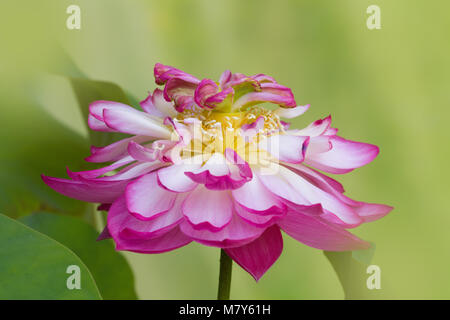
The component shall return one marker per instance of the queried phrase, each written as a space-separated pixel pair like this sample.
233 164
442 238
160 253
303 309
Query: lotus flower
206 162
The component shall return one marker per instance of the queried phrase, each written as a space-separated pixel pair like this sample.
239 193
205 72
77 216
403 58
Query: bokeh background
389 87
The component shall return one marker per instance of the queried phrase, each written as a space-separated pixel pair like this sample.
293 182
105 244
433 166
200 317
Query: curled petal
259 255
164 73
315 129
269 92
174 179
290 113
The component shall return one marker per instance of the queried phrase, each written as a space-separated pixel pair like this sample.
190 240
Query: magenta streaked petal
181 92
344 156
132 121
269 92
317 233
157 106
98 192
164 73
259 255
236 233
98 125
290 113
285 147
206 209
205 89
146 199
224 78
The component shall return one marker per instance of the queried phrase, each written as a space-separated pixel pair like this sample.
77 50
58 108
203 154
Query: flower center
240 131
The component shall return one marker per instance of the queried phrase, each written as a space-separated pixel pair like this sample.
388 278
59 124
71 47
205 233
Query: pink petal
206 209
146 199
317 233
344 156
236 233
101 192
164 73
259 255
258 220
124 225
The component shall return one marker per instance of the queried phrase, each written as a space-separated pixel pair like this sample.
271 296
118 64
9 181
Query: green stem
226 265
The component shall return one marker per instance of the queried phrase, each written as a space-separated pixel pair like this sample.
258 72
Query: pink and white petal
114 151
146 199
162 105
132 121
98 125
318 144
94 191
256 198
295 189
96 108
287 148
141 153
259 255
344 156
206 209
290 113
124 225
258 220
315 129
317 233
236 233
148 106
174 179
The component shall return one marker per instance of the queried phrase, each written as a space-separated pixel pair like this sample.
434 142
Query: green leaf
34 266
351 269
109 268
88 91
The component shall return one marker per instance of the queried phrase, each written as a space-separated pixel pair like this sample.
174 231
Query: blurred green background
389 87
